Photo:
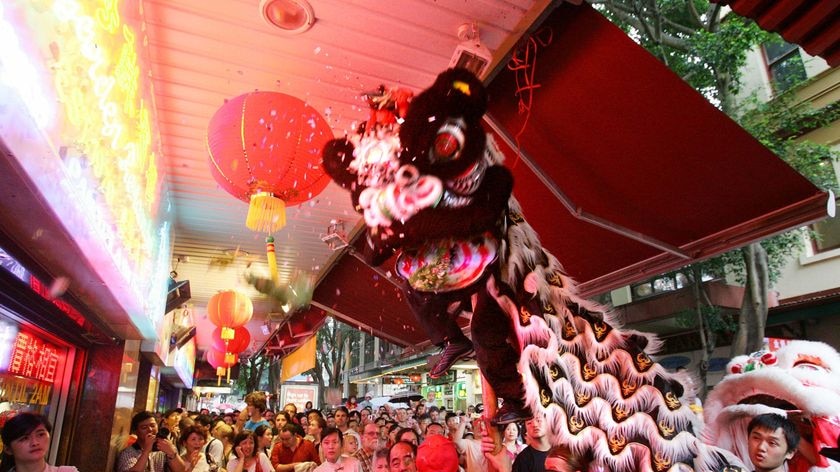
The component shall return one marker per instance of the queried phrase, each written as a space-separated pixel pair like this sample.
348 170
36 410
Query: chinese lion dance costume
432 189
801 380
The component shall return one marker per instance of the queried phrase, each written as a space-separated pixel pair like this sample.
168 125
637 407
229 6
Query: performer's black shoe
450 355
511 413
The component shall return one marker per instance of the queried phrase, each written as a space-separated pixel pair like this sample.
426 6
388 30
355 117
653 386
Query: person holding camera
152 451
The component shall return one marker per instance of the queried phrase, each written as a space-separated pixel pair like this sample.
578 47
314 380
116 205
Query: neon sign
103 136
33 358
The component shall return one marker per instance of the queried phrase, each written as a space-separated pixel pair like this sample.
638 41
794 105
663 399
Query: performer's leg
437 313
497 355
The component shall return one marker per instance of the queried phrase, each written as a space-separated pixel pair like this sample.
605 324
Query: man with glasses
292 450
370 441
401 457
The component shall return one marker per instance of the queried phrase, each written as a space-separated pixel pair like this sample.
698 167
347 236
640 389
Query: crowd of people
349 438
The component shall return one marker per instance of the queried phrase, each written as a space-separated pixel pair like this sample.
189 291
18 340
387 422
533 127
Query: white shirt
344 464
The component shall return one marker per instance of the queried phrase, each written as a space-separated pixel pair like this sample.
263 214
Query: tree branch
693 13
666 39
713 15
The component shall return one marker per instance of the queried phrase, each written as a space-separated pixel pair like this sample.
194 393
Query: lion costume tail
605 399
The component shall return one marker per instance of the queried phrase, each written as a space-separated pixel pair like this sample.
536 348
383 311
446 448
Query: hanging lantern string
271 255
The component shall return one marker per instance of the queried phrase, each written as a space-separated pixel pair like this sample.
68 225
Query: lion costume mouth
769 400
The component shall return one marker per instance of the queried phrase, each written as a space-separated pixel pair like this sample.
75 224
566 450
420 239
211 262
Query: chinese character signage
33 358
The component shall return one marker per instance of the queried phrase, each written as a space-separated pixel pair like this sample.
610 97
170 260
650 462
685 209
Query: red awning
629 145
812 24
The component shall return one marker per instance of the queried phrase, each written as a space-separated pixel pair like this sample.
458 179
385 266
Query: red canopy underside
626 141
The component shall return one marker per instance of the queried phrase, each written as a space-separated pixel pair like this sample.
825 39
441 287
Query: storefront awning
813 25
625 172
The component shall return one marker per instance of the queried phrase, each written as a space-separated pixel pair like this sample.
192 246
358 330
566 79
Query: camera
163 433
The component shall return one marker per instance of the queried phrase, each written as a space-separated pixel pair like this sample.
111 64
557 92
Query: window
785 65
826 235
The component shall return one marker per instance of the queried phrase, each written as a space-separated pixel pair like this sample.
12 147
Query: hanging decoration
265 149
221 362
229 310
232 346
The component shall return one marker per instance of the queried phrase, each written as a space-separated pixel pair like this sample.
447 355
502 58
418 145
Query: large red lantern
229 309
265 149
241 340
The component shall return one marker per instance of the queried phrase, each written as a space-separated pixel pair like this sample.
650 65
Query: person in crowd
223 432
316 428
269 415
149 452
264 439
380 461
230 419
291 409
193 440
351 403
401 457
393 429
247 458
330 420
213 446
253 414
366 403
293 453
434 414
171 421
26 439
281 419
342 415
302 419
307 407
452 423
408 435
772 440
434 428
437 454
332 444
370 443
532 458
510 440
469 448
420 410
351 442
353 426
355 415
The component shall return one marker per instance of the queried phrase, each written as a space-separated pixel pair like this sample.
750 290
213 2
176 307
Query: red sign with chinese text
34 358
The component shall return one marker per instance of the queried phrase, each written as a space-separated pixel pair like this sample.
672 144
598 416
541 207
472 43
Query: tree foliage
709 51
333 340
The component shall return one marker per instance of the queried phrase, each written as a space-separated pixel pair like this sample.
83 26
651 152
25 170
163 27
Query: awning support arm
575 210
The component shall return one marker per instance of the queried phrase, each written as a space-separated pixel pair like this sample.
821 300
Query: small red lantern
221 362
265 149
229 309
240 341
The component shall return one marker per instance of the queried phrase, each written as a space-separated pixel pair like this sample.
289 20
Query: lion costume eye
805 365
449 141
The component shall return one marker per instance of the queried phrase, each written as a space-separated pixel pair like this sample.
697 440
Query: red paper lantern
265 149
229 309
217 359
241 340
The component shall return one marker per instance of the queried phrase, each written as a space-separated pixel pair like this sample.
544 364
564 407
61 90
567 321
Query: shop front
85 223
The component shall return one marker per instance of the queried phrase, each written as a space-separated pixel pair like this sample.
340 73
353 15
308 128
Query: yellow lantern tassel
272 259
227 334
266 213
220 372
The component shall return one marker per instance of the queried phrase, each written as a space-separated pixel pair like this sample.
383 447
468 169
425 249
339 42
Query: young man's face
331 447
768 449
340 418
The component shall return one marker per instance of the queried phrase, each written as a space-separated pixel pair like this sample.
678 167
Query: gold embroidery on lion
554 371
524 316
643 362
589 372
628 387
661 462
621 412
665 430
617 443
672 401
582 398
575 424
545 398
600 329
